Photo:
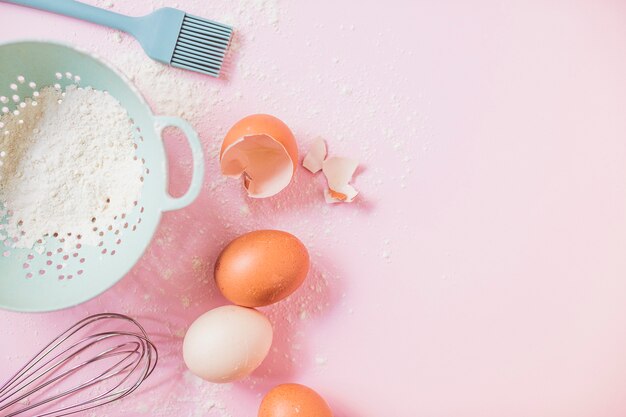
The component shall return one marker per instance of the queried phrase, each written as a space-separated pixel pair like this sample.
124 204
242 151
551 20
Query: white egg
227 343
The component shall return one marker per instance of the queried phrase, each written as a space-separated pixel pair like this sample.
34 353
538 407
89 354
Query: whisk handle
81 11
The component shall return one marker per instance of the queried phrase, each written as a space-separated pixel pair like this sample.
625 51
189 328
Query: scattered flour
206 399
169 93
68 165
247 12
321 360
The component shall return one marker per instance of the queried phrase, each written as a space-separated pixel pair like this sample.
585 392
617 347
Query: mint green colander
55 276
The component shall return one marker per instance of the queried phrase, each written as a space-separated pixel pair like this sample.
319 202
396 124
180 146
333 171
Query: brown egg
261 267
293 400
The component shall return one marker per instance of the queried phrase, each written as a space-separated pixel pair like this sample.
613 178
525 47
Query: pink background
481 270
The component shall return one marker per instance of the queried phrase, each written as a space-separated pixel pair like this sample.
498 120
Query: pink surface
480 273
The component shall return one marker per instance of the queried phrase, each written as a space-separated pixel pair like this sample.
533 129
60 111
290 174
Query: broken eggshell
315 157
263 150
338 173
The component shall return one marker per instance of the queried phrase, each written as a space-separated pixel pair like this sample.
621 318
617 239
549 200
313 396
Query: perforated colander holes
138 221
26 265
137 130
143 162
146 170
17 100
57 261
67 75
61 277
10 242
112 233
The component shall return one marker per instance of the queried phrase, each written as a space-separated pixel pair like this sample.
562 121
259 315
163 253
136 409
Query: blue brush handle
81 11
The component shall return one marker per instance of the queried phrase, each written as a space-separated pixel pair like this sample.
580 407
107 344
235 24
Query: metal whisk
100 359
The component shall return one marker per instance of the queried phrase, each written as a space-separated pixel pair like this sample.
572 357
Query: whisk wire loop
112 363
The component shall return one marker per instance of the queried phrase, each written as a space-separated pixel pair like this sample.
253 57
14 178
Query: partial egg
293 400
261 267
262 149
227 343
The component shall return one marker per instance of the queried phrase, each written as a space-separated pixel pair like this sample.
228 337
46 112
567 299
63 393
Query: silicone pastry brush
167 35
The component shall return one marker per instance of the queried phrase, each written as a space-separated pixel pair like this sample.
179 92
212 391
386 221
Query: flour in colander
68 165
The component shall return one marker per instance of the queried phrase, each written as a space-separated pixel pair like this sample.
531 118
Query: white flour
68 166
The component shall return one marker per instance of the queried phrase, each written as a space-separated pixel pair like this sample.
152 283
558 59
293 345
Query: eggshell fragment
227 343
263 150
315 158
261 267
293 400
339 172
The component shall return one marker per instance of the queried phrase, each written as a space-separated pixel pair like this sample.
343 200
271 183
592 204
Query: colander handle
197 178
